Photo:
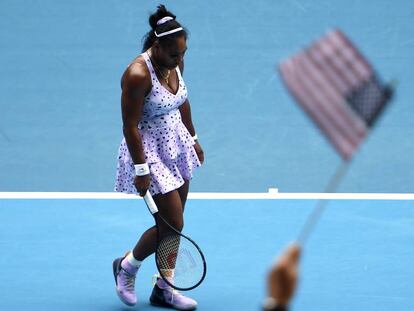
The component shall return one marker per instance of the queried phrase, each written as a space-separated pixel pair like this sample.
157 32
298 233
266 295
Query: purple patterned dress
167 144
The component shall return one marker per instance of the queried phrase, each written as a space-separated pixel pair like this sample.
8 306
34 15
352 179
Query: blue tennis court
57 253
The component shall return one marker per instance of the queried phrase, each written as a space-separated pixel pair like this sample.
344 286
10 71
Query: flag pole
317 211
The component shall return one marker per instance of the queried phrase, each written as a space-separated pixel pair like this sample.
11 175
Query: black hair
150 37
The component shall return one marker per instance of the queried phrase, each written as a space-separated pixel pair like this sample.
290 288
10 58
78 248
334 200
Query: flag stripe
356 67
331 82
307 100
363 66
329 102
347 72
291 81
318 58
330 57
341 68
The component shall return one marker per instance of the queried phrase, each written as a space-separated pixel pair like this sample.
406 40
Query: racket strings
180 261
167 252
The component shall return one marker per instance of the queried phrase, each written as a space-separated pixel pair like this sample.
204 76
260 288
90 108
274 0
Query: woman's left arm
185 110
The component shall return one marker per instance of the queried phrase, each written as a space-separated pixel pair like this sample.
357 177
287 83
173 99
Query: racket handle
150 203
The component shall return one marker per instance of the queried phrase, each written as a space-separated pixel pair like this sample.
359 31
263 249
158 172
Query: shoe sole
163 304
116 268
166 305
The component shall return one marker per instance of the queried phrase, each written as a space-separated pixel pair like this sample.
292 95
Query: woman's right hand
142 184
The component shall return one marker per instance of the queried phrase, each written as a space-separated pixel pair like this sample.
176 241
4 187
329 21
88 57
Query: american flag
338 88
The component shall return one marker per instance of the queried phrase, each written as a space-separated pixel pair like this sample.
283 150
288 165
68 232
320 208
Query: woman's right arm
135 85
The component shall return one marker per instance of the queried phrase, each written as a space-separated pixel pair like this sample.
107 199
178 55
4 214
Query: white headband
162 34
164 20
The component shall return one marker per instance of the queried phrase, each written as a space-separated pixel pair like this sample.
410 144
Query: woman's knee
171 209
176 222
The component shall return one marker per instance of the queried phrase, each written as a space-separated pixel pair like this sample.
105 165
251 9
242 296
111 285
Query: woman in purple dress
160 149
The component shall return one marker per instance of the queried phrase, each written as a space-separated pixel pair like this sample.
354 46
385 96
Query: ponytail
162 22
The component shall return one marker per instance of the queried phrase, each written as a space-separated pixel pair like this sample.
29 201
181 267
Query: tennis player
160 149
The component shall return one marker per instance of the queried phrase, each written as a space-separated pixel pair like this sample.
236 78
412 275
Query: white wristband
142 169
195 137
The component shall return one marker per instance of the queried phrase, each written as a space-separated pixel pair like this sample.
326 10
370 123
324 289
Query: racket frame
152 207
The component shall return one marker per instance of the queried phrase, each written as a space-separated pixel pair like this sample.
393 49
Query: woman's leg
162 294
183 192
170 207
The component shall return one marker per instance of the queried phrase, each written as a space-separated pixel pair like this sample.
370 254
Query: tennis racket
179 260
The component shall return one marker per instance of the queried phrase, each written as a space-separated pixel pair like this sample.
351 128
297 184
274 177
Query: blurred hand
282 277
199 151
142 184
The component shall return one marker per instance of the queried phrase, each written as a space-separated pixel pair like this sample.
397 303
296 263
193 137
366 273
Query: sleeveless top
161 105
163 134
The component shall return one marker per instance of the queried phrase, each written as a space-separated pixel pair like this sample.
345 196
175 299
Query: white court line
271 195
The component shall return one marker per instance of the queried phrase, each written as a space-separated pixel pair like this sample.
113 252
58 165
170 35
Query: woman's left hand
199 151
